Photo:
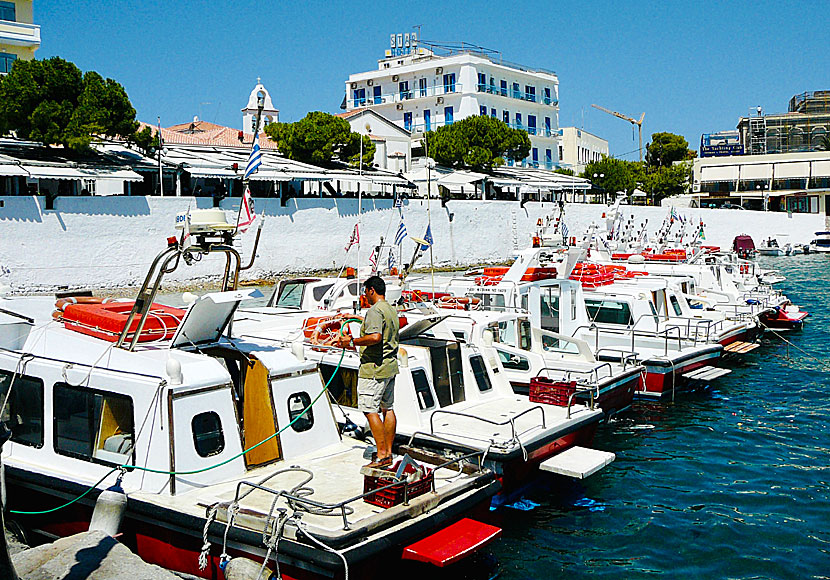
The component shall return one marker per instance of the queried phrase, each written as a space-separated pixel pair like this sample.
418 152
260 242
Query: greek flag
401 234
564 230
427 239
254 160
391 263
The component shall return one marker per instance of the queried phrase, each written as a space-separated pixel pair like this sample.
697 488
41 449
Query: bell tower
269 113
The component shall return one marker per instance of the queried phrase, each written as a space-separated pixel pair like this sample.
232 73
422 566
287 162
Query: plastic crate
394 495
550 392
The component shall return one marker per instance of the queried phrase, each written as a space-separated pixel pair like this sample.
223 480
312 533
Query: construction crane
630 120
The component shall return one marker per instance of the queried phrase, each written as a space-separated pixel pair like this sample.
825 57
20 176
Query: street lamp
599 175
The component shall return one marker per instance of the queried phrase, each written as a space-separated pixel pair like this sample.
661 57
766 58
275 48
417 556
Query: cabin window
489 301
507 333
513 362
319 291
93 425
301 420
460 335
207 434
524 334
675 305
23 412
609 311
291 295
422 390
480 373
549 307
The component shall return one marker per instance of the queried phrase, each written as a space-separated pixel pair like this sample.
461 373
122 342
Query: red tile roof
204 133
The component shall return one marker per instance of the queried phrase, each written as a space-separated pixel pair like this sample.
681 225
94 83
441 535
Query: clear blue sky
692 67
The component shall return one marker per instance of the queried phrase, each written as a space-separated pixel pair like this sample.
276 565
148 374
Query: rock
86 556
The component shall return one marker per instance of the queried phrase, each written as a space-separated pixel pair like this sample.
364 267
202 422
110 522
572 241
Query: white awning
8 169
460 178
719 173
122 174
217 172
756 171
800 169
271 175
46 172
821 168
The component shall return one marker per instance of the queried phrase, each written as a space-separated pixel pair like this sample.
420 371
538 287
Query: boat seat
119 443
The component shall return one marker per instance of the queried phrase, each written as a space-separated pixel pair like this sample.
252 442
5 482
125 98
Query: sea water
732 482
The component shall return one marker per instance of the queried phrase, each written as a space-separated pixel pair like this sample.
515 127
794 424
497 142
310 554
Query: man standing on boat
378 342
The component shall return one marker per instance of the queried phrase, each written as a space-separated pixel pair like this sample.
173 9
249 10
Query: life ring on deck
325 331
458 302
62 303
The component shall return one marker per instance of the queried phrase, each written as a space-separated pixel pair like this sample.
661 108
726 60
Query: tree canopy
619 175
53 102
666 148
320 138
477 143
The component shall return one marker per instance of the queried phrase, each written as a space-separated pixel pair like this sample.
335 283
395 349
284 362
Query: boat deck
334 478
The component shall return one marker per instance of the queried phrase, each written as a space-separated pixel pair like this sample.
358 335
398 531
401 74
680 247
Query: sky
691 67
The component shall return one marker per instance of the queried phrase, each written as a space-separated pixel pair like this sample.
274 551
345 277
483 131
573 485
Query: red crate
394 495
550 392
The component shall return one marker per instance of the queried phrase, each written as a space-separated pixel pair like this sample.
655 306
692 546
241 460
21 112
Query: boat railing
343 506
626 357
697 329
632 332
514 437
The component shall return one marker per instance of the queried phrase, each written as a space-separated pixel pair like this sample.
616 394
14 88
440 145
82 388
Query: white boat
449 393
821 243
770 247
222 445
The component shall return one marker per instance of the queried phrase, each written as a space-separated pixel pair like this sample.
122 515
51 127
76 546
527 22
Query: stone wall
111 241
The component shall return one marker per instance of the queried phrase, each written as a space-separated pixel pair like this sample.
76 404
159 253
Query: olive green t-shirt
380 361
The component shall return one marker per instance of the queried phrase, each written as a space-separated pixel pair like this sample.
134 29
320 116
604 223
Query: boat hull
663 378
173 539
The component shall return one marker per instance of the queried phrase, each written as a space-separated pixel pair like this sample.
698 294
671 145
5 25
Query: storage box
550 392
394 495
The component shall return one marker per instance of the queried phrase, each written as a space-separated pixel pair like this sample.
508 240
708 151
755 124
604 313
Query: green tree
668 181
619 175
564 171
320 138
53 102
147 140
477 143
666 148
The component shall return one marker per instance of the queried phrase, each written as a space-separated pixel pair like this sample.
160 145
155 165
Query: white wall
100 242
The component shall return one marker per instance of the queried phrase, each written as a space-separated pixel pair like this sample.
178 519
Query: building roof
200 132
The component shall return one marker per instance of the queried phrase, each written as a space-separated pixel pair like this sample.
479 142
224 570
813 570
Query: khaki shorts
375 394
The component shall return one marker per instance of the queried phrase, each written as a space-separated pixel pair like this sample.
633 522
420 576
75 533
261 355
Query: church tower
269 113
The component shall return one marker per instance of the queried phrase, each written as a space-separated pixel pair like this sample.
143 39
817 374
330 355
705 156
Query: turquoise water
728 483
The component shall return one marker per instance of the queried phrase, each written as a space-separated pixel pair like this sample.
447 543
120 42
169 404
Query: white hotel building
421 90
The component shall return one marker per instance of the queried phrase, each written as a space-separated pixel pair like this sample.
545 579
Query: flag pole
161 173
260 104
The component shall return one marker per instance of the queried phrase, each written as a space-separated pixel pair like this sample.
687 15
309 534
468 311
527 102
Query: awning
46 172
821 168
11 170
800 169
756 171
122 174
217 172
719 173
271 175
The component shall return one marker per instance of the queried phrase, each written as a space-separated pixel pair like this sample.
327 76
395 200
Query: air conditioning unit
439 70
399 106
354 85
370 82
440 101
395 78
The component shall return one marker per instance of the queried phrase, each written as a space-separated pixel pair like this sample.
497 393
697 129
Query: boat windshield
291 294
822 242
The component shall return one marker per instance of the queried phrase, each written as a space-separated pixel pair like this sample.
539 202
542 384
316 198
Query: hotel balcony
401 96
19 34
